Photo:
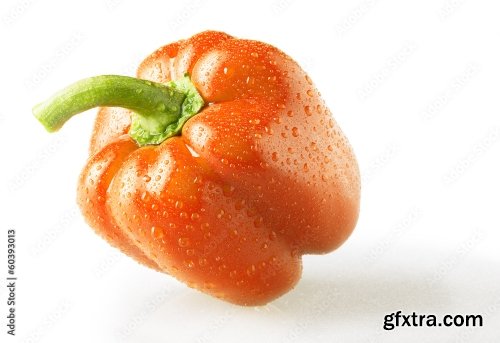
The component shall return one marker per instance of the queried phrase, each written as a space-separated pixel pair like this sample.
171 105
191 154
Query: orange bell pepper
219 165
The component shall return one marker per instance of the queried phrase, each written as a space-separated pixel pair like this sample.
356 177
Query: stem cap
152 129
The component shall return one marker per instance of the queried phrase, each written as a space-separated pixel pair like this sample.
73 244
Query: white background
413 84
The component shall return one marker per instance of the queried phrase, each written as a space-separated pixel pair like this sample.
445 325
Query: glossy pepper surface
223 171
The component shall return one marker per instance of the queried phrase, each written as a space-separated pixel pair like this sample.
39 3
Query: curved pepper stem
160 110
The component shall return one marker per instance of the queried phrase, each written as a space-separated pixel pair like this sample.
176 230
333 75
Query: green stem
159 110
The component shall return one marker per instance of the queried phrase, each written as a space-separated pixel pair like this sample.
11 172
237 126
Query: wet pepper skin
261 176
